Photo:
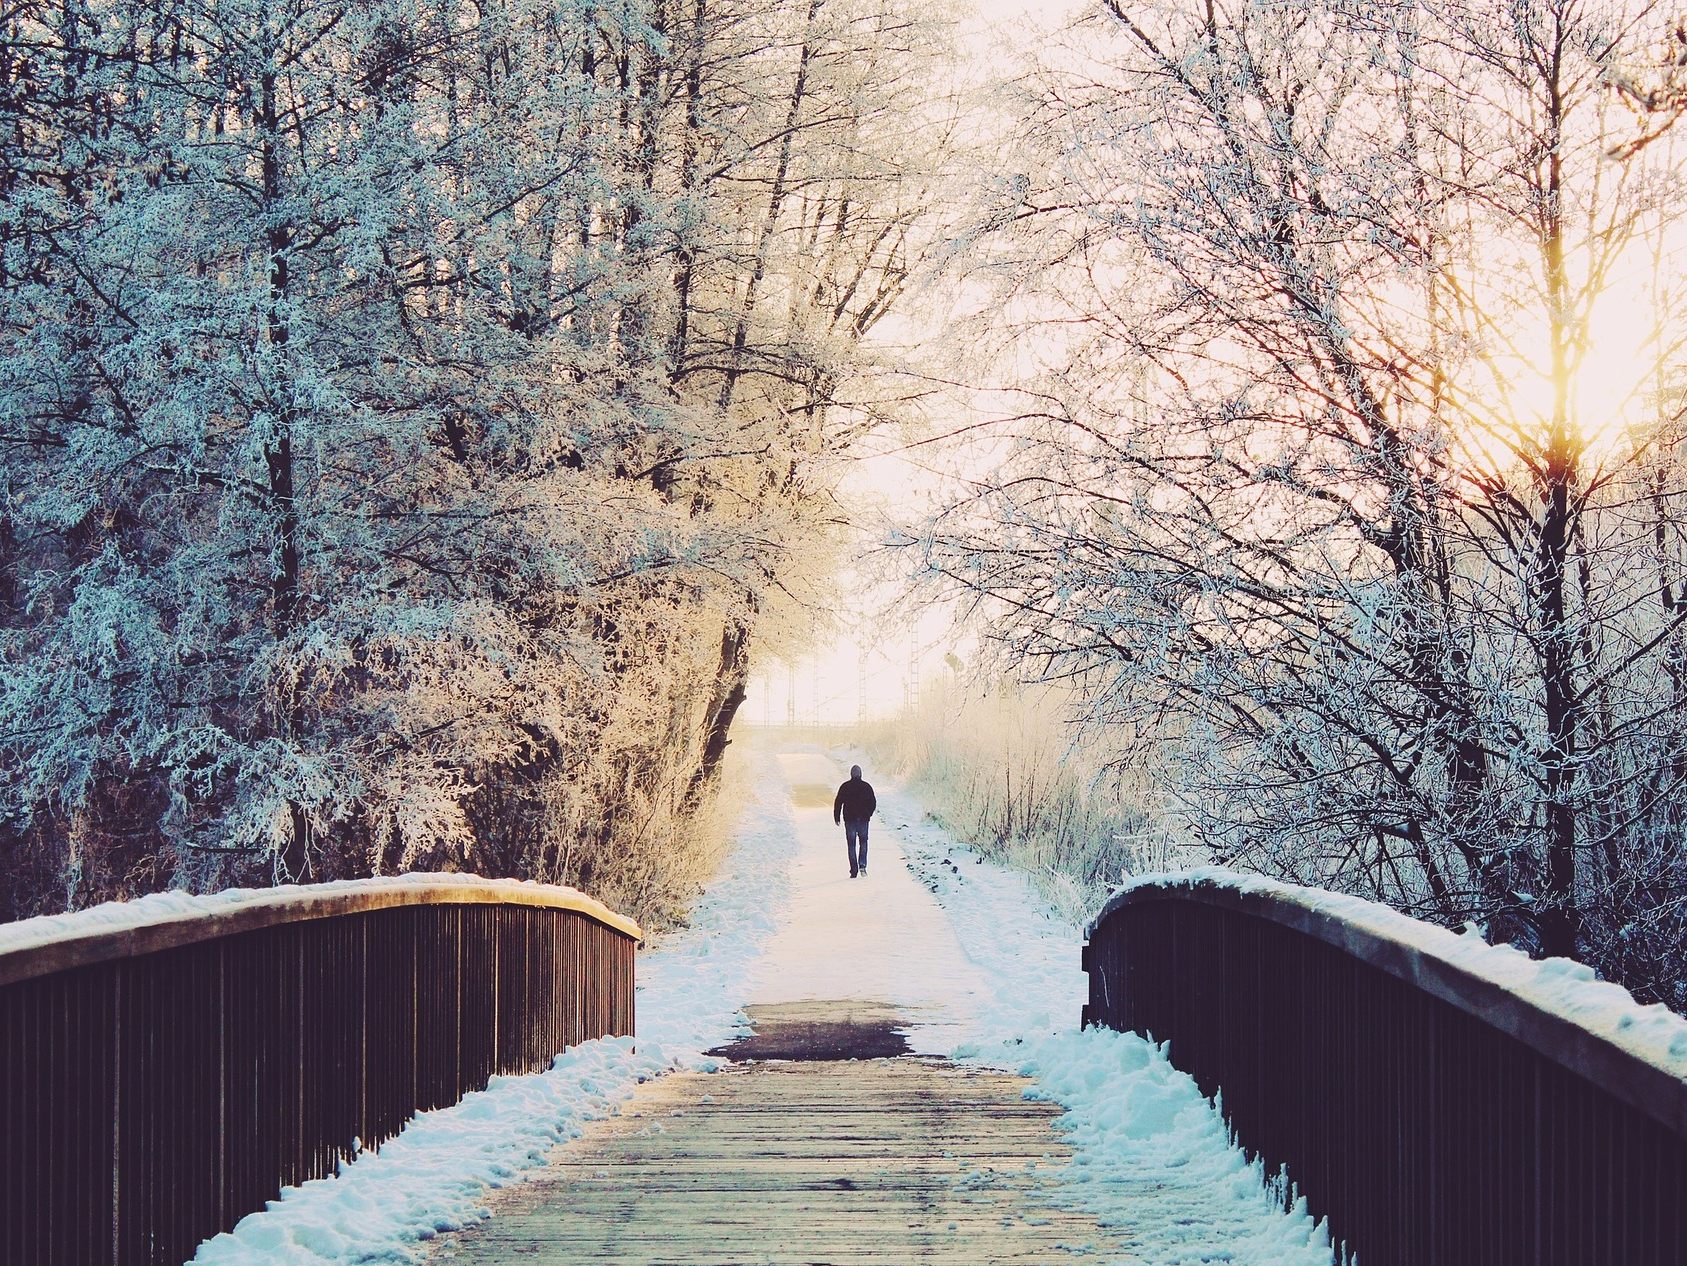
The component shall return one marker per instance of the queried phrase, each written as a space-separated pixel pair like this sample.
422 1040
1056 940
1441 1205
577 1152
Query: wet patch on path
821 1031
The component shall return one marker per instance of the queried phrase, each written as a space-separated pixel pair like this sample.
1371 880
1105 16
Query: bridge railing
163 1078
1438 1101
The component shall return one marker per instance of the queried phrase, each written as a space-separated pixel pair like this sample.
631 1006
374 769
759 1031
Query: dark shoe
852 874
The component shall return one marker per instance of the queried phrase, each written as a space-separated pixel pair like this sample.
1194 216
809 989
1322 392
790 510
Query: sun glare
1615 379
1614 392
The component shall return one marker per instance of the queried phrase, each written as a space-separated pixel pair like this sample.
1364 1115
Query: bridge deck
828 1142
842 1162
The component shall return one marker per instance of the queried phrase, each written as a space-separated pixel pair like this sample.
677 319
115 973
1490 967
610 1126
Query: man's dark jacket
855 802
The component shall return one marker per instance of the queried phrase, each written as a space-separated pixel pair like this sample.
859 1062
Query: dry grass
1001 770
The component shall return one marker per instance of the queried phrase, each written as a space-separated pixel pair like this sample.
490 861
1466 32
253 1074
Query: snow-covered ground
965 948
879 938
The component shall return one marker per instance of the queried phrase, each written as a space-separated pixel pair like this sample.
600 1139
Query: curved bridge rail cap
50 943
1556 1007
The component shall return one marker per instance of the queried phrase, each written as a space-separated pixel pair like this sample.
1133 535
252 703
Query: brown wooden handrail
1439 1109
78 946
1394 943
162 1078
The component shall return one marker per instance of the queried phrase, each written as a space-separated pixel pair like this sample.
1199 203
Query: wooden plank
853 1163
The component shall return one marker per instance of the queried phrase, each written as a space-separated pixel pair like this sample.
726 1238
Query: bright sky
1000 10
874 666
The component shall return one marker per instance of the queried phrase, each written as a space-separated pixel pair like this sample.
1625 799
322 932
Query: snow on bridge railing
1441 1101
167 1065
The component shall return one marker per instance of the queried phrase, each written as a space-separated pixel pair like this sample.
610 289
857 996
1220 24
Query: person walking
853 806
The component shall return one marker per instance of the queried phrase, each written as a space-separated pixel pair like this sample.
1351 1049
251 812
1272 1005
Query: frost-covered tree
399 443
1316 482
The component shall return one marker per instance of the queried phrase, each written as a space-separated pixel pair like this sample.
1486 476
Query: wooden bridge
161 1081
788 1158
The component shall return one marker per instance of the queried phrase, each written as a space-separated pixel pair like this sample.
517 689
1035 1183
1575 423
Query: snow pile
1004 926
1558 986
1144 1138
169 907
386 1205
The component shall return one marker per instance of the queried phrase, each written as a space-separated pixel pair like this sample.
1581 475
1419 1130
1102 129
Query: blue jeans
853 832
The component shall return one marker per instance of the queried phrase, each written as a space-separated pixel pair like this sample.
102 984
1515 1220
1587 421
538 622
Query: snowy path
880 938
869 1162
962 955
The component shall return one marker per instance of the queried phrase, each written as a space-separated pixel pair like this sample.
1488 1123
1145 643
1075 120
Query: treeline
1352 483
409 413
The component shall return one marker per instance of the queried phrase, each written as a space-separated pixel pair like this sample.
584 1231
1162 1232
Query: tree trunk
1559 921
678 343
294 860
724 701
775 204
